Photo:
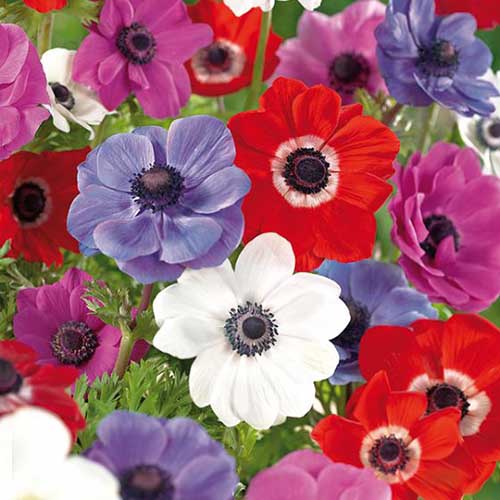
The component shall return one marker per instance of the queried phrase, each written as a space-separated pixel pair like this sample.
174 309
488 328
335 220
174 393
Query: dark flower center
444 395
136 43
389 454
251 329
63 95
74 343
157 188
348 72
360 321
217 55
306 170
488 131
28 202
439 227
146 482
439 60
10 380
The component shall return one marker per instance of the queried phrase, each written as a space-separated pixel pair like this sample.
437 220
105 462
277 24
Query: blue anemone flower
426 58
376 293
159 202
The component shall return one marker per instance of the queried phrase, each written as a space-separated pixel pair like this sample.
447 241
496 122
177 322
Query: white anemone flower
483 133
240 7
69 101
34 462
260 334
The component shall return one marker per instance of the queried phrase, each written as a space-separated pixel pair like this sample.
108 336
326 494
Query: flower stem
44 39
221 106
100 132
258 68
431 114
389 116
128 338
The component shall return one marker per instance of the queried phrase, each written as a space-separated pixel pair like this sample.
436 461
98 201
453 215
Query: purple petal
150 269
158 137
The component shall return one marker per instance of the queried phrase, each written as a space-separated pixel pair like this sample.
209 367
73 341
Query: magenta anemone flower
308 474
55 321
337 51
446 217
23 88
139 47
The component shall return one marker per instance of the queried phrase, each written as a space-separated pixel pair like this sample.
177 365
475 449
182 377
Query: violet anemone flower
23 88
140 46
376 293
159 202
307 474
55 321
446 216
337 51
427 58
155 458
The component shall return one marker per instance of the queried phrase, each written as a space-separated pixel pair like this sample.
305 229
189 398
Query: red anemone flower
486 12
35 194
226 65
319 171
46 5
390 435
24 383
453 363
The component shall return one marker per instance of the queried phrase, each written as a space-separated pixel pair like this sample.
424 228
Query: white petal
57 64
87 107
310 4
35 440
205 371
60 122
265 263
255 400
186 337
204 293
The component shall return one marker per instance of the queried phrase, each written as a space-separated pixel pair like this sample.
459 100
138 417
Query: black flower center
157 188
136 43
439 227
494 129
439 59
74 343
348 72
10 380
63 95
217 55
251 329
389 454
360 321
29 202
444 395
146 482
306 170
488 132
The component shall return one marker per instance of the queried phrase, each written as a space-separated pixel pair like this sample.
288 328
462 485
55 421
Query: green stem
431 114
389 116
258 68
221 106
100 132
44 40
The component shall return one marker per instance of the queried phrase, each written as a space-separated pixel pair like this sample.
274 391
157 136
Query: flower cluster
249 250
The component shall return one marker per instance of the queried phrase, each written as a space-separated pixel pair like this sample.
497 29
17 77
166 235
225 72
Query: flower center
157 188
348 72
389 454
439 60
488 131
306 170
74 343
439 227
29 202
136 43
63 95
220 62
444 395
146 482
360 321
251 329
10 380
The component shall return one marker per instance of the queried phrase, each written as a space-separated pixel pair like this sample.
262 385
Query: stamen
348 72
389 454
74 343
445 395
488 132
63 95
306 171
29 202
440 227
137 44
440 59
10 380
146 482
360 322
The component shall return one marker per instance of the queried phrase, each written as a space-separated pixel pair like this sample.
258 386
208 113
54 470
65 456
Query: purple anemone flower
376 293
23 88
337 51
155 458
55 321
445 215
159 202
139 46
426 58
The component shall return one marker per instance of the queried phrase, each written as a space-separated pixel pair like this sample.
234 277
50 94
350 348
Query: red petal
371 407
430 338
17 353
402 492
347 113
55 376
405 408
45 5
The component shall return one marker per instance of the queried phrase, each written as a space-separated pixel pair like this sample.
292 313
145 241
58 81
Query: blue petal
150 269
87 171
475 59
340 273
158 138
422 17
459 29
395 38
